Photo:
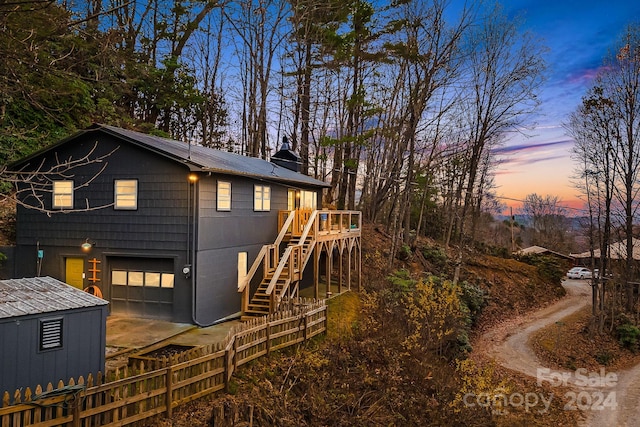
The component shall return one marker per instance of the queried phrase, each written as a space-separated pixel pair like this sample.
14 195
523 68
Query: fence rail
153 387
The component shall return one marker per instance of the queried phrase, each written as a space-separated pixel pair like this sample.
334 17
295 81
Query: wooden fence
154 387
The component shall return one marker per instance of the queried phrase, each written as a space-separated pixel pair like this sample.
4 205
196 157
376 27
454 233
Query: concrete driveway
133 333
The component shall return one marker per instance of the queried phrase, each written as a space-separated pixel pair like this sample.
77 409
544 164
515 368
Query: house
617 251
169 230
49 331
539 250
617 256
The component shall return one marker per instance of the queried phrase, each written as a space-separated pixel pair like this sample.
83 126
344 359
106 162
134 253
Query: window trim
221 203
116 194
259 203
56 194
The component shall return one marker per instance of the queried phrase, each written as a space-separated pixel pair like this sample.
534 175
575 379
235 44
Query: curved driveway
508 345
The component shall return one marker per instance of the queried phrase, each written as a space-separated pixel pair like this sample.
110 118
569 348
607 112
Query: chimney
286 158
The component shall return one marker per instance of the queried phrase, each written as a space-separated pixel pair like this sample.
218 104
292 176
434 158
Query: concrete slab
133 333
205 336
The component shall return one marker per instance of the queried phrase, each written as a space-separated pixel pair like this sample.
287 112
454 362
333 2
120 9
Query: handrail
263 252
285 228
286 258
281 265
303 237
253 269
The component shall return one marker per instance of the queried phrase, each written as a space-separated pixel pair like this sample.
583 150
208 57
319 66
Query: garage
142 286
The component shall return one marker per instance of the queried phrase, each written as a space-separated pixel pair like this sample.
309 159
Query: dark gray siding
159 228
163 188
24 365
222 235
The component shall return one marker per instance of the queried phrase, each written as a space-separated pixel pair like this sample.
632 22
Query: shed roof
198 158
37 295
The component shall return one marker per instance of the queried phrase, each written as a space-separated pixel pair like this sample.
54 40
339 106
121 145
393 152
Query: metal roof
212 160
617 250
37 295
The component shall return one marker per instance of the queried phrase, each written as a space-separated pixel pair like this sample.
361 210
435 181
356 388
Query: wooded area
397 105
606 129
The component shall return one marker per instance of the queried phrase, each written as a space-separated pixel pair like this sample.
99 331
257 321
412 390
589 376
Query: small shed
49 331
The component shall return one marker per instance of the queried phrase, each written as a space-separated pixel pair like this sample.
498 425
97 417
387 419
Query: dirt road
604 400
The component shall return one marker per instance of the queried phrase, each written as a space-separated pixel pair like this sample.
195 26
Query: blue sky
578 34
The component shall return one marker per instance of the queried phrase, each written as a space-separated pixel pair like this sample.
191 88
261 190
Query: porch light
86 246
193 178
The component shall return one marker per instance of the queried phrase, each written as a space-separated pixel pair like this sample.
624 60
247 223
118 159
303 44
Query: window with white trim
126 194
63 194
261 198
224 196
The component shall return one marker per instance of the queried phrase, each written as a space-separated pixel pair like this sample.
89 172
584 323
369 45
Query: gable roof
37 295
198 158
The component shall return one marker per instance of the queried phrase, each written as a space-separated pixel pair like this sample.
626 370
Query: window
148 279
63 194
291 199
308 200
261 198
126 194
50 334
224 196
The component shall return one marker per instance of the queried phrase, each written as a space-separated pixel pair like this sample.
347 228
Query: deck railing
300 224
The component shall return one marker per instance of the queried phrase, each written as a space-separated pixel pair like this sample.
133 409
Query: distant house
49 331
163 229
539 250
617 251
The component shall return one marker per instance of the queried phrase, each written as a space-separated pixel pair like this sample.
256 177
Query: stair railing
269 255
289 260
292 256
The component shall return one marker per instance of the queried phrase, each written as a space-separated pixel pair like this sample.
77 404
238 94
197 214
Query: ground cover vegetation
398 353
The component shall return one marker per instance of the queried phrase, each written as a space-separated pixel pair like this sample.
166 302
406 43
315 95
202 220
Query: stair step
256 312
259 305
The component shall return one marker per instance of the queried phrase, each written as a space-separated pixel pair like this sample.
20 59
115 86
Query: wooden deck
321 235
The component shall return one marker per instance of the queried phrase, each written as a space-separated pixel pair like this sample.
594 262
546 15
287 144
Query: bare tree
547 218
593 127
504 72
33 183
259 24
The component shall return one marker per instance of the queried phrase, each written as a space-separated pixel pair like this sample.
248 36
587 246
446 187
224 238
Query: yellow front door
74 272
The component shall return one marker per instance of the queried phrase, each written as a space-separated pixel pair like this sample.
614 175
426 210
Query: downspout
193 179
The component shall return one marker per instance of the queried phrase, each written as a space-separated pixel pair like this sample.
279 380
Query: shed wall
22 364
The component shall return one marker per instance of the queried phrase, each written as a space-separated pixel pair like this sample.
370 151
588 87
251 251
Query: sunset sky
578 34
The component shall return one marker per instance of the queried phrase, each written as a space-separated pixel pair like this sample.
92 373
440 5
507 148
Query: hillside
383 361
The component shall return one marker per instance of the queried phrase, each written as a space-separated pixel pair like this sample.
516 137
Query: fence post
306 321
76 402
268 324
169 391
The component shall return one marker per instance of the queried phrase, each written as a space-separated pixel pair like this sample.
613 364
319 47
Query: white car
579 273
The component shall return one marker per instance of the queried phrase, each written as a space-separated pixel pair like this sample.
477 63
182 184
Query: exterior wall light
193 178
87 245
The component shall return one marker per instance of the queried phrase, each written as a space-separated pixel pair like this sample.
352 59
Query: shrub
434 255
628 335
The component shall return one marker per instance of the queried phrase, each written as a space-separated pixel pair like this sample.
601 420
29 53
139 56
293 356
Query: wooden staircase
281 272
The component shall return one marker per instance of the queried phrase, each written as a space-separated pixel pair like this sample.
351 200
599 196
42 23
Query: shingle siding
162 205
